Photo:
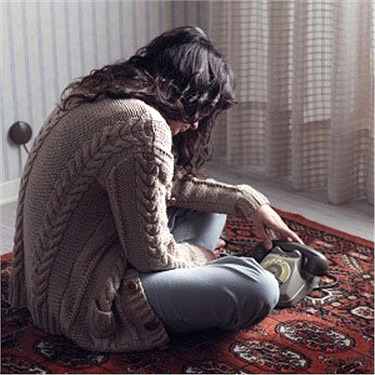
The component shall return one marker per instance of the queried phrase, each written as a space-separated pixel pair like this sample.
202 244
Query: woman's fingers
264 235
285 232
292 236
267 221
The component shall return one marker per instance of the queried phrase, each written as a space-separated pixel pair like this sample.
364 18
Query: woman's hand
265 218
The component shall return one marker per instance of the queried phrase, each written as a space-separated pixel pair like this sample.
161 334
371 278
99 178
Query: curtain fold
305 87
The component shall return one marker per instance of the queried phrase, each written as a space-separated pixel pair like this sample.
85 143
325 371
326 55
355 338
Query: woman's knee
254 302
265 298
269 291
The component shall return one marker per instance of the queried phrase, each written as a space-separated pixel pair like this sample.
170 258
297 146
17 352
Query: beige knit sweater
92 214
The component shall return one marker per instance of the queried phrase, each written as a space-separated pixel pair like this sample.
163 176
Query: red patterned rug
328 332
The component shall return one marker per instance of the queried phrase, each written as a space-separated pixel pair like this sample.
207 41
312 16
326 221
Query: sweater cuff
250 200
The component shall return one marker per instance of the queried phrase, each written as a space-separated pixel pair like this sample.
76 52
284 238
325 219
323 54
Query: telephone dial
297 268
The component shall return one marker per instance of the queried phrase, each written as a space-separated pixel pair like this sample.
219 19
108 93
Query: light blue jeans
229 293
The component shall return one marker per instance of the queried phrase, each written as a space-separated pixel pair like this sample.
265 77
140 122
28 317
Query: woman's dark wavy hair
181 75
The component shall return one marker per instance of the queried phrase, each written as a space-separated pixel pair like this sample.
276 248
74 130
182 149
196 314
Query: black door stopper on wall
20 133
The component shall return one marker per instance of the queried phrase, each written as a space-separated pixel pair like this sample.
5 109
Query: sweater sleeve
137 187
214 196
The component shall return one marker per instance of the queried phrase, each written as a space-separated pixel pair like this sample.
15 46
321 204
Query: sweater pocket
102 314
102 320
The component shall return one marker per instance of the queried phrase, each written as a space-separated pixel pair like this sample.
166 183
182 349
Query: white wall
46 44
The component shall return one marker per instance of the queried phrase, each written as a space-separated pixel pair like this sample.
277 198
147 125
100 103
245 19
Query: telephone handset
297 268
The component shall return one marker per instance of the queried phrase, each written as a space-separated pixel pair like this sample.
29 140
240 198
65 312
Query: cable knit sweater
92 214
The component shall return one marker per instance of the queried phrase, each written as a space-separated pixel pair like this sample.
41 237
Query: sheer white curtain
305 87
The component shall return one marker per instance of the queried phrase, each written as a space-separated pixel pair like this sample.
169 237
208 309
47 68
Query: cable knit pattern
137 184
17 282
81 172
92 214
158 241
147 173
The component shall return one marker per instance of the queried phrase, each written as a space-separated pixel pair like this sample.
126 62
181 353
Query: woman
116 225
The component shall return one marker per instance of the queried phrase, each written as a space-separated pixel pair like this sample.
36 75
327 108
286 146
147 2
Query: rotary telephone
296 267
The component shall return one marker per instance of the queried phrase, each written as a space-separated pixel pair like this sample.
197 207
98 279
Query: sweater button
152 325
171 201
132 286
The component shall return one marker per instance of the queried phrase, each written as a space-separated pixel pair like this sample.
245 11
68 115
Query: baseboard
9 191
